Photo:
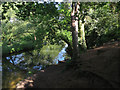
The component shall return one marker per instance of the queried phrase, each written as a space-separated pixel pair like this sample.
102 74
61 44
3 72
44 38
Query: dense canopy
43 29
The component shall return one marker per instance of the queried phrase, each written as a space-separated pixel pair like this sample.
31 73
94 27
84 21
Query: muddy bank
97 68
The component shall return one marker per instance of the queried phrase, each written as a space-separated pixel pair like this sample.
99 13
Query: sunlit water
13 75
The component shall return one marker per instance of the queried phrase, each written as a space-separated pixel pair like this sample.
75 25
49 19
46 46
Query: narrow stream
0 74
17 67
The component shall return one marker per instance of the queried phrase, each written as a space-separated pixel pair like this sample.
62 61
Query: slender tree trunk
82 36
74 27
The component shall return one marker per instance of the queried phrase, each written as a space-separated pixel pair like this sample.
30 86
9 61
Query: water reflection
12 78
61 55
0 66
17 67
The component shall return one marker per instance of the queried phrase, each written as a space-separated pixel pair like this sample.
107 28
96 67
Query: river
20 66
0 74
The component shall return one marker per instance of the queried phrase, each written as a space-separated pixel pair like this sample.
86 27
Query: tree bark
74 27
82 36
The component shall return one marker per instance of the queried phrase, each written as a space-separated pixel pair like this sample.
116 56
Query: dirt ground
97 68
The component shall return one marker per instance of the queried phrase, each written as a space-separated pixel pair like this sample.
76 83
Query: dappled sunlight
42 70
98 48
107 45
57 44
29 61
12 79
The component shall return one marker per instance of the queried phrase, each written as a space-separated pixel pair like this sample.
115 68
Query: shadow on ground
97 68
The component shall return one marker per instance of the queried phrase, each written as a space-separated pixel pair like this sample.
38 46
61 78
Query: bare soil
97 68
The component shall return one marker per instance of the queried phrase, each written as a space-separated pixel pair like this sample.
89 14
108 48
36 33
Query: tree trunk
74 27
82 36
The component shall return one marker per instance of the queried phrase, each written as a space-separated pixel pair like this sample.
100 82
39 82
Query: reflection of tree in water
14 66
10 80
27 60
11 74
46 55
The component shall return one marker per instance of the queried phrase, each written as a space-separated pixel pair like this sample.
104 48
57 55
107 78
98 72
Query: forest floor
97 68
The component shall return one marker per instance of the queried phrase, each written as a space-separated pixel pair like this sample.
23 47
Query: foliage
31 25
103 25
16 35
45 29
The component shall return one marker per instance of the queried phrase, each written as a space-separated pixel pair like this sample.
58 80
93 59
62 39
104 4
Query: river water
0 74
18 67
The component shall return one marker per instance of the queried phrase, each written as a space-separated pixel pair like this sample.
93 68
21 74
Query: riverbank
8 53
97 68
